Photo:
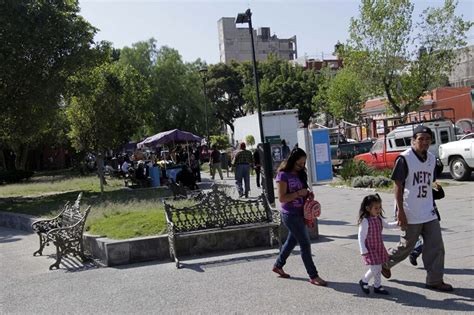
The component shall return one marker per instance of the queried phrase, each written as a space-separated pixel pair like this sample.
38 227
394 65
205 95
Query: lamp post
203 72
247 18
242 18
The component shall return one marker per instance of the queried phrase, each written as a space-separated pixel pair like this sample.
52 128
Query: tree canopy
400 58
43 42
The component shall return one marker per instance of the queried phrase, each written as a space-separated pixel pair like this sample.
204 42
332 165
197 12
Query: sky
191 26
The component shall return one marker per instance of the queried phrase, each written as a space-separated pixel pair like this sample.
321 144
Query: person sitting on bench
186 178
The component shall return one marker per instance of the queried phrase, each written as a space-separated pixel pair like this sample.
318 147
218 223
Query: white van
399 139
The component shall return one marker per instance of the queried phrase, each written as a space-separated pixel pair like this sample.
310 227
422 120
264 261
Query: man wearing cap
414 174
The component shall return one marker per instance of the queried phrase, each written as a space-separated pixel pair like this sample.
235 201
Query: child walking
371 245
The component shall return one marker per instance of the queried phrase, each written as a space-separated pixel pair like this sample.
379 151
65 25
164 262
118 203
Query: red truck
385 150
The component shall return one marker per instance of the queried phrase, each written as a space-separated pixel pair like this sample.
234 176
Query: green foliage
346 95
225 88
105 106
43 42
250 140
379 49
221 141
370 181
14 176
353 168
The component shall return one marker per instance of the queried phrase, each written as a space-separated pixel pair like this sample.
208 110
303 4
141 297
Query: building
460 99
463 72
234 43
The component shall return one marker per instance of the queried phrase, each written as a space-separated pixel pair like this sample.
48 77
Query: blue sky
191 26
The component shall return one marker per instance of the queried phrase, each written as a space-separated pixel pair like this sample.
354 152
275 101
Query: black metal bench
43 226
65 231
215 212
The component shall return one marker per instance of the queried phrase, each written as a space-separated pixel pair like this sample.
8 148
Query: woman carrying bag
292 193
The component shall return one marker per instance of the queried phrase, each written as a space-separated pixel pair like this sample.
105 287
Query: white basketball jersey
418 192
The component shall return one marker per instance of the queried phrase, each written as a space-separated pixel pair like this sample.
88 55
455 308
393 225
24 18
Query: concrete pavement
242 282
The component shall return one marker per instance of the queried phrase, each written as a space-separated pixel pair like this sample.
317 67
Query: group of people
415 212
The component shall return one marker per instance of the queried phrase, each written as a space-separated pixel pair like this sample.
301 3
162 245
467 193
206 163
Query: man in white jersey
414 175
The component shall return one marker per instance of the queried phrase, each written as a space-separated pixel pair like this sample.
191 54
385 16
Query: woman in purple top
292 190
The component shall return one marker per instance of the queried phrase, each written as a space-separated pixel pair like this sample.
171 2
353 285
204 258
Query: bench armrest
44 225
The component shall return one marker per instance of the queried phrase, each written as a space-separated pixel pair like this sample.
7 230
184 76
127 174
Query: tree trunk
3 164
100 172
21 155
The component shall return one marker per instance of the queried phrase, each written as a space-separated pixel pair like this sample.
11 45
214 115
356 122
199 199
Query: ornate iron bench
216 212
43 226
65 231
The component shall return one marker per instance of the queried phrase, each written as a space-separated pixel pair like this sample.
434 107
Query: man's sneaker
280 272
413 260
445 287
386 272
380 290
364 286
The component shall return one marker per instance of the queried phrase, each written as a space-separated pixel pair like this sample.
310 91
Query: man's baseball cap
422 129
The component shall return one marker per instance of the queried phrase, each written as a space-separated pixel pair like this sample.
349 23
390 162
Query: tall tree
225 91
42 43
346 95
104 108
398 59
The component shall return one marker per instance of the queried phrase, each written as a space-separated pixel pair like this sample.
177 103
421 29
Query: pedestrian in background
242 162
257 163
215 162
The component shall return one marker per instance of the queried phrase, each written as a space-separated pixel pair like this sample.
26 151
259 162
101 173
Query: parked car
459 157
386 150
343 149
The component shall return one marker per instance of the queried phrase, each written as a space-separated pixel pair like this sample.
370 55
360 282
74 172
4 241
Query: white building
234 43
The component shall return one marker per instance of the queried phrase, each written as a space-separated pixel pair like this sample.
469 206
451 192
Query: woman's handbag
312 210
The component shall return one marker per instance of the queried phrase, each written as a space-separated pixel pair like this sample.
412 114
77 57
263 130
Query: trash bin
154 172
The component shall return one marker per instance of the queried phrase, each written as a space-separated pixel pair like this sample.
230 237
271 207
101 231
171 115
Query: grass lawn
118 213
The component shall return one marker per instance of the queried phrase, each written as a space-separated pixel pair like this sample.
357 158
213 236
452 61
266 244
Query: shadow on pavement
226 261
451 302
12 237
410 298
452 271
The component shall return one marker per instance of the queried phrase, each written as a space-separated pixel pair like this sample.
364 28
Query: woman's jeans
297 234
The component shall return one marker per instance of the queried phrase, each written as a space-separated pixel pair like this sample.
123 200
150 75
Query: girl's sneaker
364 286
380 290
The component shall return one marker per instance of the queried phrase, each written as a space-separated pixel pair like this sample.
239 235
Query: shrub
221 141
353 168
14 176
370 181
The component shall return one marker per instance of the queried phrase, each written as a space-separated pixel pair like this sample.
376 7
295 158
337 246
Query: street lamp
203 72
243 18
247 18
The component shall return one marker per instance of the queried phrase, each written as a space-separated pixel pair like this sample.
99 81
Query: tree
43 42
346 95
104 108
285 86
250 140
398 59
225 91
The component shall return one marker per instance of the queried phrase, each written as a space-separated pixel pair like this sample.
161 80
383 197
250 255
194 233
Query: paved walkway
242 282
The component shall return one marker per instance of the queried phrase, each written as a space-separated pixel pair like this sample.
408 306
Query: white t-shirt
418 193
125 167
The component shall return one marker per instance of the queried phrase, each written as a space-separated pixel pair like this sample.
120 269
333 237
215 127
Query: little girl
371 245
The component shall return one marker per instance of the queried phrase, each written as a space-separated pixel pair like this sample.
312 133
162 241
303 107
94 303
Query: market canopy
169 136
